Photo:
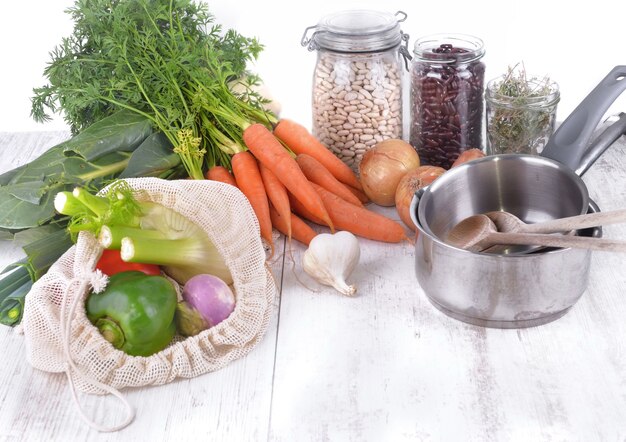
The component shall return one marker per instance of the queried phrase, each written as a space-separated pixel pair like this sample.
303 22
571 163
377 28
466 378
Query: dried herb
520 112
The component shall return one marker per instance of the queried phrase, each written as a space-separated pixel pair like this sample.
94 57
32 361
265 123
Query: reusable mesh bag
60 338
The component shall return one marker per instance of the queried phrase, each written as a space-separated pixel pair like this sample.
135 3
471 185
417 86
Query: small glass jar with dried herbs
521 113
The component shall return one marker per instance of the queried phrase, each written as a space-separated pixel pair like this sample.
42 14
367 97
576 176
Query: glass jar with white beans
357 80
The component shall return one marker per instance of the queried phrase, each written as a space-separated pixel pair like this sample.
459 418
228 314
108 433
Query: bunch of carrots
289 176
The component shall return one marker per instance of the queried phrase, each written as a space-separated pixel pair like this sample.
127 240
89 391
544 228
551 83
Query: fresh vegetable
410 183
331 258
468 155
278 196
135 312
299 140
207 301
318 174
146 232
165 60
297 229
97 154
268 150
383 166
15 286
360 221
298 208
111 262
122 143
359 194
221 174
248 177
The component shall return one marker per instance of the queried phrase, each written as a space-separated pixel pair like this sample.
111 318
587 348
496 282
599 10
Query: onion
383 166
468 155
207 301
410 183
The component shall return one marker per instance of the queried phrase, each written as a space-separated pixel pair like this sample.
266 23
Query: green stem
109 169
96 204
111 236
67 204
111 331
158 251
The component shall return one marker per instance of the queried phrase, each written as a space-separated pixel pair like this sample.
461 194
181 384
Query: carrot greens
166 60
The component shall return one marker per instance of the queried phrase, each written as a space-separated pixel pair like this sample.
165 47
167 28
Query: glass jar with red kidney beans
447 78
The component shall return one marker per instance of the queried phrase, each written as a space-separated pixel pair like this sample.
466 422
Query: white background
575 44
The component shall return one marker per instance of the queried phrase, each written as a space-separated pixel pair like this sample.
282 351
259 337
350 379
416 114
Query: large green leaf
153 157
31 235
17 214
43 252
49 164
7 176
80 171
30 192
124 130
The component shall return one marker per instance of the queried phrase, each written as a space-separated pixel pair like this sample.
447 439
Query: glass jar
357 80
521 116
447 78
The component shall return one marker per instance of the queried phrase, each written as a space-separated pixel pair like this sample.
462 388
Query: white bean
355 103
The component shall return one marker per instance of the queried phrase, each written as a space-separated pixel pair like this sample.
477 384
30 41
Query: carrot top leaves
164 59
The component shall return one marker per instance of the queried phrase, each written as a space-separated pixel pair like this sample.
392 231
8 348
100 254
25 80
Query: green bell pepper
135 312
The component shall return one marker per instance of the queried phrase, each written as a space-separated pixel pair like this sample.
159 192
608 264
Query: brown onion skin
410 183
382 168
468 155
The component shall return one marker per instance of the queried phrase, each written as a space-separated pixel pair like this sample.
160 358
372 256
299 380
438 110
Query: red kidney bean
446 106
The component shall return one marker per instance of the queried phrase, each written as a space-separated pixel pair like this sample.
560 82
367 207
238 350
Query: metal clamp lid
357 31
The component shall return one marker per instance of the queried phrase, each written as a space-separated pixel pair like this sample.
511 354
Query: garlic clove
331 258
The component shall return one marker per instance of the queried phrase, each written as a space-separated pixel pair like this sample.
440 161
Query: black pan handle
570 142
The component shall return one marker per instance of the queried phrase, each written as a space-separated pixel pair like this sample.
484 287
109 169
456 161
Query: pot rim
413 209
451 174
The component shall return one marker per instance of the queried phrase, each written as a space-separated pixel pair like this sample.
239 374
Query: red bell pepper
111 263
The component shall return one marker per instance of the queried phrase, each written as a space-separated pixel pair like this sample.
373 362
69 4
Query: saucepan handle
414 205
570 142
601 143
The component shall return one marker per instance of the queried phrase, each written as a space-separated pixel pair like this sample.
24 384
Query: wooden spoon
506 222
478 233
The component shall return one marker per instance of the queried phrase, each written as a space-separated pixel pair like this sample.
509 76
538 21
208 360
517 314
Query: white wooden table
383 366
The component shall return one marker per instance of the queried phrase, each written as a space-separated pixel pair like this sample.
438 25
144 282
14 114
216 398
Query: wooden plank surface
388 366
382 366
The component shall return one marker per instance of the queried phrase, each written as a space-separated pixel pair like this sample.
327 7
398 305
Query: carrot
299 230
298 208
269 152
359 194
318 174
359 220
277 194
249 179
221 174
300 140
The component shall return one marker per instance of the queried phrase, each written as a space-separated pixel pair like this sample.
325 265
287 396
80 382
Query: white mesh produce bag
60 338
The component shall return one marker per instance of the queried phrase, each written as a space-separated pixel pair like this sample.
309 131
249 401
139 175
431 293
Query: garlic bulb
331 258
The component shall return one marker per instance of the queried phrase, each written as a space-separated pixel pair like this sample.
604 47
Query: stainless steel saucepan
515 290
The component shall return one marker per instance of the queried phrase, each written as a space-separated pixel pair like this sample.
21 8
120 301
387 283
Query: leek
16 285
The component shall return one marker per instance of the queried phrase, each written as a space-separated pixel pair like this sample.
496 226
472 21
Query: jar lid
449 48
356 31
